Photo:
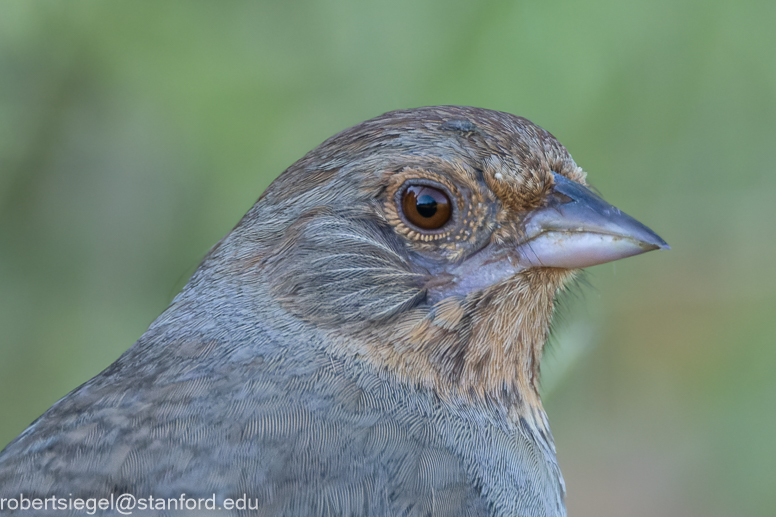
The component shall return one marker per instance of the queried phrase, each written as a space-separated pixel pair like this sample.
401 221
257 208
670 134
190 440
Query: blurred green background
133 135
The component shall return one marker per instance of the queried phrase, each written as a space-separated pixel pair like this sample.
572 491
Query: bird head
430 243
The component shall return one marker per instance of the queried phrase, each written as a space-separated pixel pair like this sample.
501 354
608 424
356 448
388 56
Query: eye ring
425 205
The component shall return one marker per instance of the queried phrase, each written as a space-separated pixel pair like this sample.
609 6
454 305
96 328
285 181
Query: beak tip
659 243
646 238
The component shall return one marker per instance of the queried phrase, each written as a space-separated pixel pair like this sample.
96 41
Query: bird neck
484 348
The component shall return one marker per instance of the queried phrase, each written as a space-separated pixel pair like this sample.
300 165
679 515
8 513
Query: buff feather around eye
429 208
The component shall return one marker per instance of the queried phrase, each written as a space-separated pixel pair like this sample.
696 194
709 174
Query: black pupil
426 206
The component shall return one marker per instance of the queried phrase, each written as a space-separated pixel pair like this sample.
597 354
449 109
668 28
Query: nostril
561 197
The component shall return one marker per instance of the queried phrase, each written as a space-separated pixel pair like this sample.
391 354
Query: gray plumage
217 400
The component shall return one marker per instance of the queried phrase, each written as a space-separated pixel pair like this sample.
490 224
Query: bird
366 341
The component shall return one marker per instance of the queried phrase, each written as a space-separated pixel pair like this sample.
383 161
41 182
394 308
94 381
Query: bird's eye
426 207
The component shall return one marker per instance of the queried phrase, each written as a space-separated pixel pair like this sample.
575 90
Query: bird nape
366 341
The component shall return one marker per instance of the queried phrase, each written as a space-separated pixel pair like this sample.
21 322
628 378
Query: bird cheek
477 273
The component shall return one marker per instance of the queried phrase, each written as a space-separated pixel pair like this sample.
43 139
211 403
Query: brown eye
426 207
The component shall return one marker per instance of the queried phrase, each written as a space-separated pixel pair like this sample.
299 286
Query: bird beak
579 229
